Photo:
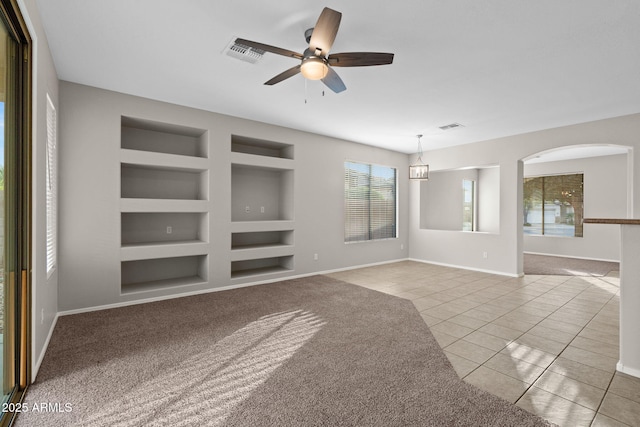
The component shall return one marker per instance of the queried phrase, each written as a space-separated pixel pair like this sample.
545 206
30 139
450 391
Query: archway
607 171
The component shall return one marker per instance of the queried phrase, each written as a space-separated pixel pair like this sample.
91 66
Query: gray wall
90 121
605 196
504 249
44 289
489 200
441 199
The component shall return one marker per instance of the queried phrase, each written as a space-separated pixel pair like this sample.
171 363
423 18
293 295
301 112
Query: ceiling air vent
244 53
451 126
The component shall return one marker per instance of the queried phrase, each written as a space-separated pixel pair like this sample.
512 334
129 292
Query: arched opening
562 186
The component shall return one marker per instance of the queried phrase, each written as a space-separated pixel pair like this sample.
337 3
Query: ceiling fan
315 62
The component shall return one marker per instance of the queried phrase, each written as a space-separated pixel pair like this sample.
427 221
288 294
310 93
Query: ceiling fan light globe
314 68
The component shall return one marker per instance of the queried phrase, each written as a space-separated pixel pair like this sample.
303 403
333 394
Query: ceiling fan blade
284 75
268 48
324 33
360 59
333 81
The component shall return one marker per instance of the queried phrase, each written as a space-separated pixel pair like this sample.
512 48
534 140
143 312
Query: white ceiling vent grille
244 53
451 126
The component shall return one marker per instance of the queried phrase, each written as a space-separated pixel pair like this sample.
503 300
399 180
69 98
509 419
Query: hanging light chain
420 149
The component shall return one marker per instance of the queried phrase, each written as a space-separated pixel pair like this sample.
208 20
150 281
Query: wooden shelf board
621 221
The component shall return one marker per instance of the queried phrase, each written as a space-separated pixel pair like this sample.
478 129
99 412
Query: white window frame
51 188
396 203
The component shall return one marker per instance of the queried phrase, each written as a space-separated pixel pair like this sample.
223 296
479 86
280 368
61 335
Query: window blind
370 202
52 185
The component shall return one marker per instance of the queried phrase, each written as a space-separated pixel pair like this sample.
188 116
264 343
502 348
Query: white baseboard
462 267
38 361
222 288
571 256
627 370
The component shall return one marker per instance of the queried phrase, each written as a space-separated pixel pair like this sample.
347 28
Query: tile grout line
565 347
523 333
520 285
602 400
545 369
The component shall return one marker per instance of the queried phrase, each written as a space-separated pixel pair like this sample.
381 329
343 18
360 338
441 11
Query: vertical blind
52 184
369 202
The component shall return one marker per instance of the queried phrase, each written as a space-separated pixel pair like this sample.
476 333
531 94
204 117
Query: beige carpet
307 352
561 266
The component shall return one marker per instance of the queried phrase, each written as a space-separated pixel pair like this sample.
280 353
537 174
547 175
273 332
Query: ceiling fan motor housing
307 34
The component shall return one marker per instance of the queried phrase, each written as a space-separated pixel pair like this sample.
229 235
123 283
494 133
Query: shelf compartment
261 267
262 252
161 273
148 182
163 205
132 252
162 227
258 226
262 162
147 135
261 147
165 161
259 188
248 240
156 285
253 245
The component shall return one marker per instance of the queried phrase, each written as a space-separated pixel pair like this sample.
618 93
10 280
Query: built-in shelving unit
164 206
262 215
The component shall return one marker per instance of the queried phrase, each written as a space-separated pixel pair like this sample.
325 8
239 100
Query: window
553 205
15 217
369 202
52 184
468 205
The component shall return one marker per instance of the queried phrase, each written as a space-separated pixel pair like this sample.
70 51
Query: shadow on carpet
306 352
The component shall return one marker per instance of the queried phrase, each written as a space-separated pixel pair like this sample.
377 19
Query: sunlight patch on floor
222 376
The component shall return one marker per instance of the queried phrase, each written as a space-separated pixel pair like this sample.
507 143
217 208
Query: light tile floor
549 344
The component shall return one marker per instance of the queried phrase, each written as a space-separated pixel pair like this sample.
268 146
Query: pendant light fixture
419 170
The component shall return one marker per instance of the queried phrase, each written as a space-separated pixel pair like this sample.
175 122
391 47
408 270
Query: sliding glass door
14 209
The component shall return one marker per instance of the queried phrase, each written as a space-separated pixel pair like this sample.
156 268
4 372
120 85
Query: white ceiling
499 67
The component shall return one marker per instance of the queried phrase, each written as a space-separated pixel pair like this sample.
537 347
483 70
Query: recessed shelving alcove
158 137
164 206
140 228
151 182
261 266
261 239
160 273
261 194
261 147
262 208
